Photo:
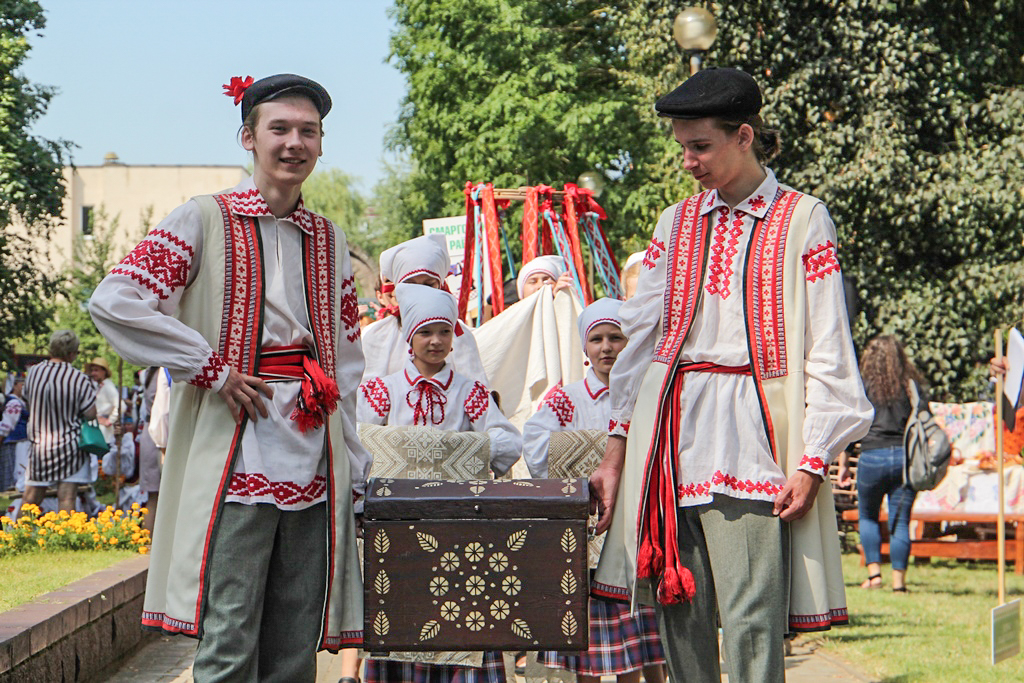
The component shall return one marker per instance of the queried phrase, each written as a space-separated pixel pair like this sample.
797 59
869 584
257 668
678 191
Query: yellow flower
135 506
144 550
41 542
114 541
5 520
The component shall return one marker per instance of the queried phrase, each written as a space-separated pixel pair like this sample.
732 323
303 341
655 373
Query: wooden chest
475 565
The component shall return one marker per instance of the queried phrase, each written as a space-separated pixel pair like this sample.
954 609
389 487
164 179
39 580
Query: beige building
132 195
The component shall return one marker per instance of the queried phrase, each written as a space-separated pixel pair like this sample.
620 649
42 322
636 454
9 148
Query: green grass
937 633
29 575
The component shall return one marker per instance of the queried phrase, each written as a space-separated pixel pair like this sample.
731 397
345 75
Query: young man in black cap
248 299
738 387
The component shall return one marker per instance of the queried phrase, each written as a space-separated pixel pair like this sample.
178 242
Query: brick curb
78 631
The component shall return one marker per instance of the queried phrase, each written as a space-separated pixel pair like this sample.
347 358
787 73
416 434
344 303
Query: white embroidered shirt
581 405
278 464
723 445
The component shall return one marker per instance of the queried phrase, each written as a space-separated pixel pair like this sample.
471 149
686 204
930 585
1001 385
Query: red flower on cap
236 87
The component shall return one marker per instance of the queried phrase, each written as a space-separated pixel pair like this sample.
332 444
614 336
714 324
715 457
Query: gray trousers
267 587
735 550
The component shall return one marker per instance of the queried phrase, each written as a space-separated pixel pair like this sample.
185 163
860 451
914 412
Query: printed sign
1005 631
454 229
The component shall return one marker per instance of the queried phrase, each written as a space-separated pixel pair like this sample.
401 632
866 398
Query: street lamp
694 30
593 181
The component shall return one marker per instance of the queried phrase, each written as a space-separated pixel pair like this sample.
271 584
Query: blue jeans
879 474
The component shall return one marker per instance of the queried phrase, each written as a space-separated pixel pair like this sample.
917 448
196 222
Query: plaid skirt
386 671
619 642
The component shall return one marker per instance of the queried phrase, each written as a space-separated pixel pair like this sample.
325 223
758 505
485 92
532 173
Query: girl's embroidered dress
447 401
619 641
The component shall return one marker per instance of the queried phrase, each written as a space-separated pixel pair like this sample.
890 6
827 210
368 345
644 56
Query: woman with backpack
887 374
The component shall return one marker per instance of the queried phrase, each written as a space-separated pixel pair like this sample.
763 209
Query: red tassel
657 561
317 398
644 560
670 591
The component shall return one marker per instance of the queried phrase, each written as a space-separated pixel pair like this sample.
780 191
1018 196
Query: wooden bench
929 541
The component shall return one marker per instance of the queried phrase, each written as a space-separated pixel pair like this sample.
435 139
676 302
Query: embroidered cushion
426 453
577 454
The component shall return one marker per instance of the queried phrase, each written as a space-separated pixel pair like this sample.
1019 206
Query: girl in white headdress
621 644
427 392
419 261
541 271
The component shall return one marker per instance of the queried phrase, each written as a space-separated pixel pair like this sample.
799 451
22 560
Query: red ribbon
428 401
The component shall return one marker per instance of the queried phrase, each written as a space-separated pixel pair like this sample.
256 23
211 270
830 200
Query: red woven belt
707 366
282 363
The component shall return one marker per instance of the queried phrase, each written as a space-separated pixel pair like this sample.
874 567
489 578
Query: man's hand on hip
242 392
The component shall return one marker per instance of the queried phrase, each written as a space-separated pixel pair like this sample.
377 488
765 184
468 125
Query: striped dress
57 394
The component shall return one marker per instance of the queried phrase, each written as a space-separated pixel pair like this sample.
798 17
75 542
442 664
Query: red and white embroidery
156 266
561 405
350 308
721 479
683 276
612 424
757 203
209 373
377 396
284 492
815 464
477 402
816 622
764 293
654 251
820 261
319 253
251 203
723 252
241 324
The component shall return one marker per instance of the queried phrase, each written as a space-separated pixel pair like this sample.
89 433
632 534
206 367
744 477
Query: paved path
169 660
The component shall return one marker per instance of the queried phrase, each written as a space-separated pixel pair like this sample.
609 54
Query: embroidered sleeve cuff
616 428
815 464
212 375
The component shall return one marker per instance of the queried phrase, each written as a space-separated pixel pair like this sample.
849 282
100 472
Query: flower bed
73 531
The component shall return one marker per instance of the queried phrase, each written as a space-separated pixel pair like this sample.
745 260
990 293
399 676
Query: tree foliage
912 134
30 182
905 116
514 92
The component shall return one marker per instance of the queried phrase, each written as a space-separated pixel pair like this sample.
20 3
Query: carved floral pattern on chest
508 579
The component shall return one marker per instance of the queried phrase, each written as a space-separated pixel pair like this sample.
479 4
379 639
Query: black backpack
925 445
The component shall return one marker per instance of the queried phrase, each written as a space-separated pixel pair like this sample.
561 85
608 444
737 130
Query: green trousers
265 602
736 550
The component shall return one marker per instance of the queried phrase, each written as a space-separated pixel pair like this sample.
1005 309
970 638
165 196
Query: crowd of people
42 460
726 381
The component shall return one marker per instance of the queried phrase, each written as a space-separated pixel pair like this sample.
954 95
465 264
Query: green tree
30 183
514 92
893 114
890 111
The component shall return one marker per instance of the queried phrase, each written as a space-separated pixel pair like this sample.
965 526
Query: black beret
272 87
712 92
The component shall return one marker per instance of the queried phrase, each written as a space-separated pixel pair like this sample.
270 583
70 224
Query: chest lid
417 499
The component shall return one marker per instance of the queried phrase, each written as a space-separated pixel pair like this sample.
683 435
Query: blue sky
142 78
